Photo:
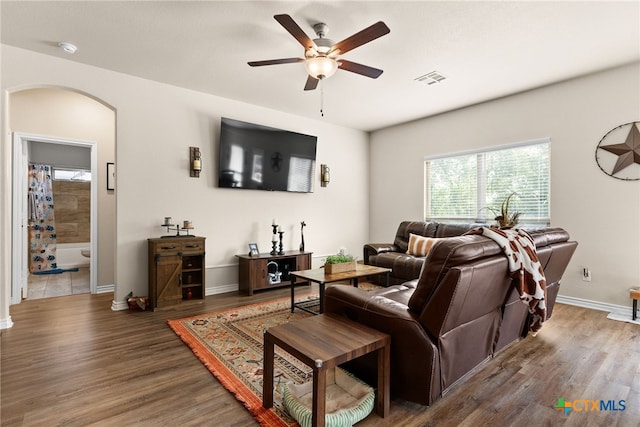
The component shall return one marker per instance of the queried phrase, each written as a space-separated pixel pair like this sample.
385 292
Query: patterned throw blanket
524 268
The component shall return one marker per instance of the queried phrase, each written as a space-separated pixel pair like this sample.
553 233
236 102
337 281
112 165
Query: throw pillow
420 245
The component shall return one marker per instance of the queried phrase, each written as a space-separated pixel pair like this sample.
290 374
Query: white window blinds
460 187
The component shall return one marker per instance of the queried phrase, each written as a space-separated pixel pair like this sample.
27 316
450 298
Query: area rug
623 318
229 344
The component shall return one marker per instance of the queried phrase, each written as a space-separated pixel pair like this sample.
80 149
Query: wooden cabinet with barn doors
176 271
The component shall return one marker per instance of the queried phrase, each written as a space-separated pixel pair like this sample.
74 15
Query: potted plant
504 216
339 263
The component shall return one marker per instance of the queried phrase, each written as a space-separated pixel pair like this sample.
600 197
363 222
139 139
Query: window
71 175
460 187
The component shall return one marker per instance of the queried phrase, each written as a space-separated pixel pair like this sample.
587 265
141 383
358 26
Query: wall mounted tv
258 157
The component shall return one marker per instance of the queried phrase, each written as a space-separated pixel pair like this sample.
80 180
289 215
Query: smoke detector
68 47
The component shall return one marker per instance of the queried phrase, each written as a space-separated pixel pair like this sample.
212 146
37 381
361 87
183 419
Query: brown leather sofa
461 311
394 255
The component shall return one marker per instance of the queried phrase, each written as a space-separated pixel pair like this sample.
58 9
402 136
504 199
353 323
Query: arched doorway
64 116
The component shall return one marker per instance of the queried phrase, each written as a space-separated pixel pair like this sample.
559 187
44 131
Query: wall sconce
195 162
325 176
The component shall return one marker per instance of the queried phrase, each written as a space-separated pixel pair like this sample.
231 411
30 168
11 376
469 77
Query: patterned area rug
229 343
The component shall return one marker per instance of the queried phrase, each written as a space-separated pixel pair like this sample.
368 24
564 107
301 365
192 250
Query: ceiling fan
322 55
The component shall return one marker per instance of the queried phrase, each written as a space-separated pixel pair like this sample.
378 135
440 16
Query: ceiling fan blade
294 29
354 67
370 33
311 84
275 62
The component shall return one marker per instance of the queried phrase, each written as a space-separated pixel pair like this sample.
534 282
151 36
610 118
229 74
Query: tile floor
56 285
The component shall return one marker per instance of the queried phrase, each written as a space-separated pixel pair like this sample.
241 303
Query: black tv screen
258 157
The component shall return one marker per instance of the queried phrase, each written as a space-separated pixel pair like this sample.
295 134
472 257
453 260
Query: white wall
601 213
156 124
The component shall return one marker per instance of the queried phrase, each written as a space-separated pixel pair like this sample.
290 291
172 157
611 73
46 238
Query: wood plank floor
72 361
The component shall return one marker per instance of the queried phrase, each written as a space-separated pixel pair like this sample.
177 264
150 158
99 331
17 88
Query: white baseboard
104 289
213 290
6 323
595 305
119 305
122 305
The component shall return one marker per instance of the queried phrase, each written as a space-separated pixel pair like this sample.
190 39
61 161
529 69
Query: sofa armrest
378 248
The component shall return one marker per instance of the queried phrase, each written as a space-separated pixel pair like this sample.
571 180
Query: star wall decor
618 153
276 161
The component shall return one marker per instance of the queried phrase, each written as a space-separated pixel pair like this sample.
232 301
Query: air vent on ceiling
430 78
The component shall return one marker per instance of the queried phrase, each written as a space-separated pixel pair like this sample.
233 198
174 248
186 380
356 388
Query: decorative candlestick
187 225
274 238
302 224
281 247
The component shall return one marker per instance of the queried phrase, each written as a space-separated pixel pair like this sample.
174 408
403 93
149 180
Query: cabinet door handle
168 247
193 246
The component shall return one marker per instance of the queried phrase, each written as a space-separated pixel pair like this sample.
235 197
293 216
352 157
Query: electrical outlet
586 275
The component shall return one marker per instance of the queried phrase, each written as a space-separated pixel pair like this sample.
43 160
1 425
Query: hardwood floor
72 361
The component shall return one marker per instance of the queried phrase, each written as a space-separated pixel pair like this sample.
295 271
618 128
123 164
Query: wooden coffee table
323 342
319 276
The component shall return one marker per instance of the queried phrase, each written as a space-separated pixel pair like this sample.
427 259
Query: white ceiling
485 50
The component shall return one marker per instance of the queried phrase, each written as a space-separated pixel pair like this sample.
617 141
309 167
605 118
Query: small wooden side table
634 294
323 342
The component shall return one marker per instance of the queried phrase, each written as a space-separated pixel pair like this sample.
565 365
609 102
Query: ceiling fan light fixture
322 56
321 67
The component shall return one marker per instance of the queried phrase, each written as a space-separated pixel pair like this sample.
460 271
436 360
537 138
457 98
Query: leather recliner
394 255
459 313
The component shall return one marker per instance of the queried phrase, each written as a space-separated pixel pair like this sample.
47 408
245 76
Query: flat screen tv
258 157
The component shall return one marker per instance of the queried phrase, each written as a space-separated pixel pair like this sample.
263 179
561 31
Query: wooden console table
253 271
323 342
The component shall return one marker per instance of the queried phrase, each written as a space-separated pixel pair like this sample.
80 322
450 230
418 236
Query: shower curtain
42 230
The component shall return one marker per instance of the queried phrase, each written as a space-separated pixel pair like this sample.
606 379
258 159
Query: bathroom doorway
60 116
65 263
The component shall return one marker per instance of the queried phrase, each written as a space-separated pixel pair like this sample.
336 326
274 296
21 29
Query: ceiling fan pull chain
321 98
